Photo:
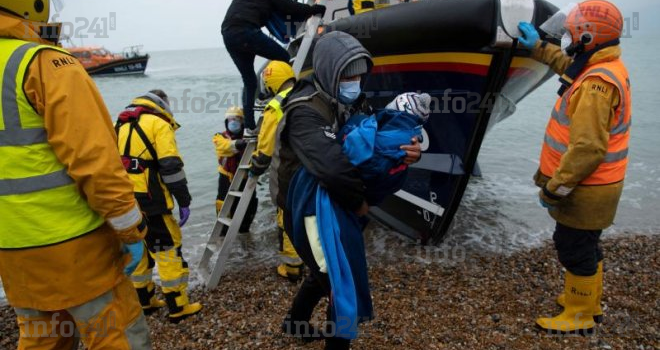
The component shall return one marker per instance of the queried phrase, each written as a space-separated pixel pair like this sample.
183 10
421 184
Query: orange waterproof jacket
82 137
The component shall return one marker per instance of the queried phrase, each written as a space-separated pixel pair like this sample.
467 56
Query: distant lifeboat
99 61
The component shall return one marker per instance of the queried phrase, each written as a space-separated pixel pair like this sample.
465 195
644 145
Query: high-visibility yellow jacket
55 94
271 118
583 139
154 165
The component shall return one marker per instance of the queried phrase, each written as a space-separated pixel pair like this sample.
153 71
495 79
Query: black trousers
315 286
578 250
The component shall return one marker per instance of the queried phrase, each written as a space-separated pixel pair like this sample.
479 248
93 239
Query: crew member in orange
585 151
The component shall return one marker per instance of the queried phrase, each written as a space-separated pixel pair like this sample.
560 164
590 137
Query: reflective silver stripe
30 313
137 334
616 156
168 179
34 183
290 261
560 116
556 145
126 221
620 129
14 134
174 283
86 312
142 278
279 99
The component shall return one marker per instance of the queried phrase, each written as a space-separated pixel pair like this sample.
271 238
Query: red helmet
594 22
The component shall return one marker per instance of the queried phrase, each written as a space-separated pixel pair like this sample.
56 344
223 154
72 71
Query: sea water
500 211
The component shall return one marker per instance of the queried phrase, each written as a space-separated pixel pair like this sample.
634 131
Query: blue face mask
349 91
234 126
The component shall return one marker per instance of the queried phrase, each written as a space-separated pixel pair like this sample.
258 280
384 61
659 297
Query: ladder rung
211 248
235 193
224 221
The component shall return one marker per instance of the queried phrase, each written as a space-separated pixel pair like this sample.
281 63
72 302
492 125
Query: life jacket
40 204
155 200
557 136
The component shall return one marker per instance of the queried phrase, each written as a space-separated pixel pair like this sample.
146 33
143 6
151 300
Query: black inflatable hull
445 48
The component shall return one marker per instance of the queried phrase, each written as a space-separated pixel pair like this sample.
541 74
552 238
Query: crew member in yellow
585 152
356 7
67 207
150 155
278 77
229 147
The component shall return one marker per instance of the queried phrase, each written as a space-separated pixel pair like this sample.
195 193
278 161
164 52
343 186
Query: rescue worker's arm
170 165
224 147
591 110
320 152
262 156
82 136
552 56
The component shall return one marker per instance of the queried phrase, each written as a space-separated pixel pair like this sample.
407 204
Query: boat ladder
226 225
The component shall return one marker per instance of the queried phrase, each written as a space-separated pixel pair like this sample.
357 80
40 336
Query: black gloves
259 164
318 10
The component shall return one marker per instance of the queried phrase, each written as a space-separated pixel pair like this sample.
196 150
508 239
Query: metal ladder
211 272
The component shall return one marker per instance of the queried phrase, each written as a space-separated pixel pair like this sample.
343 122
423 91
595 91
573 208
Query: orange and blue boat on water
99 61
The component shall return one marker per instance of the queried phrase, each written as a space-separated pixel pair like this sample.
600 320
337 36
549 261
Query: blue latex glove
529 35
184 214
136 250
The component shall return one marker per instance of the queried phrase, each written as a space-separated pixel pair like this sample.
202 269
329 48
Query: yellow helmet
32 10
234 112
276 74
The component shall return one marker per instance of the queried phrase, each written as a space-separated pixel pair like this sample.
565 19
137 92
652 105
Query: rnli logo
600 89
63 62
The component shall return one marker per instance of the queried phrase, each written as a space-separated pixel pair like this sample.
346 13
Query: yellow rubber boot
180 307
293 273
580 298
598 310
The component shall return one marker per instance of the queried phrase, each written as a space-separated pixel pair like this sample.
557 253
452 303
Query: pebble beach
476 302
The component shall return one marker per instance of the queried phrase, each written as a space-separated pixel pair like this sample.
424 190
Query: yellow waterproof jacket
228 155
80 132
271 118
592 112
148 148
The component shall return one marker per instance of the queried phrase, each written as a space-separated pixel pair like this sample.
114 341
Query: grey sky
176 24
